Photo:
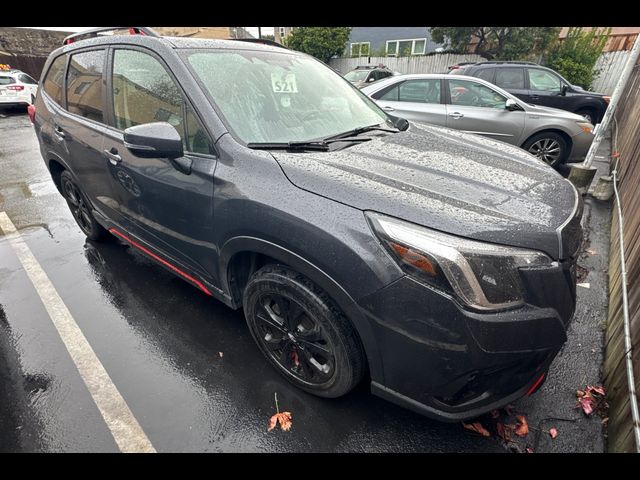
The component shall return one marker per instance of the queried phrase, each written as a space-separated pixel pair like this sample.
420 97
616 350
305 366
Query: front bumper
580 147
451 364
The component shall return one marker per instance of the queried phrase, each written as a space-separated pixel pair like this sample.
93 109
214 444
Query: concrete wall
27 49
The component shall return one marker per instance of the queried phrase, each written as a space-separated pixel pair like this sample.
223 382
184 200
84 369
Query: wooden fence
609 65
437 63
626 139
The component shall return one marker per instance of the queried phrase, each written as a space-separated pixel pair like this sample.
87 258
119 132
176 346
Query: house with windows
280 33
390 41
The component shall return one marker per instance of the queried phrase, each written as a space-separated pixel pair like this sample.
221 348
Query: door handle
388 109
456 115
113 156
59 132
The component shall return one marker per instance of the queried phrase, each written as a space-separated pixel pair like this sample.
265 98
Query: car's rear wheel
302 333
80 208
549 147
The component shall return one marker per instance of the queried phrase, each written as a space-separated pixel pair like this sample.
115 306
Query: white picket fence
609 64
437 63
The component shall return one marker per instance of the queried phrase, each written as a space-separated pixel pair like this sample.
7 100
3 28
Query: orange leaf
598 390
553 432
504 431
477 427
529 450
522 430
285 421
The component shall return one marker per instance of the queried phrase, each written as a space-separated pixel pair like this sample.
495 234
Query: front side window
420 91
510 78
543 81
143 92
54 80
269 96
84 84
465 93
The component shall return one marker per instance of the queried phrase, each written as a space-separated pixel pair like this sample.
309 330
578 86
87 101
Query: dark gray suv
437 265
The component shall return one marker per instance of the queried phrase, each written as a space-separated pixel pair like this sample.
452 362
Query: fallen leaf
580 393
553 432
529 450
504 431
590 251
285 421
522 430
586 403
221 354
495 414
599 390
605 420
477 427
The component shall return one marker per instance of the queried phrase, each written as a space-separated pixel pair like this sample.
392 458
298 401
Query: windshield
356 75
279 97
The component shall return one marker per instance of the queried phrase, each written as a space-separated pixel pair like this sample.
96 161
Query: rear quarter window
84 84
7 80
54 81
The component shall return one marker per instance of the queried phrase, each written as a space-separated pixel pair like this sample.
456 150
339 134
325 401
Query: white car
16 88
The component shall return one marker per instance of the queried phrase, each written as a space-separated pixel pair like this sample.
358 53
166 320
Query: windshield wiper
358 131
321 145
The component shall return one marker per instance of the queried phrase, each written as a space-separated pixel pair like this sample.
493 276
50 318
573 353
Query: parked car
363 75
437 265
476 106
16 88
540 85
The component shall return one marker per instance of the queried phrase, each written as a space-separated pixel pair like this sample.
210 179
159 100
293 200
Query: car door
476 108
169 208
417 100
79 127
545 88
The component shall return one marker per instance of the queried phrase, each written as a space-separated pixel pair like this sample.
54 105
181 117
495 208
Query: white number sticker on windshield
285 83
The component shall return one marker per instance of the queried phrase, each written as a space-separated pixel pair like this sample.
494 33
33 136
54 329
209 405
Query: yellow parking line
123 425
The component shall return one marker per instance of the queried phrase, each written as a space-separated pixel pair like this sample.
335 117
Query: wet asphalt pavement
186 364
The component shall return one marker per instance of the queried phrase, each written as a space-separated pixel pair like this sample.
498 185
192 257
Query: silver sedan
476 106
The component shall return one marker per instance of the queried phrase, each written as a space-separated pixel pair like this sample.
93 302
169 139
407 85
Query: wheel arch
241 256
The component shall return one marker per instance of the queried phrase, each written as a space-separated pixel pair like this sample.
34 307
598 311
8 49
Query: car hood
449 181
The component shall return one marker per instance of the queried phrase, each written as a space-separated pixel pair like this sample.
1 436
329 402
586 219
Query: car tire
589 115
302 333
81 208
550 147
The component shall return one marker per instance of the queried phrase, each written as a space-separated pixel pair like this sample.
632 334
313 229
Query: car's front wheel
549 147
80 208
302 333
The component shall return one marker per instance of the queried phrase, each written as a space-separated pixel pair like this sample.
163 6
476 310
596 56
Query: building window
404 48
282 32
360 49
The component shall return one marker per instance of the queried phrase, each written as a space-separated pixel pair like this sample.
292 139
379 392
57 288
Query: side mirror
371 79
564 89
511 105
400 123
154 140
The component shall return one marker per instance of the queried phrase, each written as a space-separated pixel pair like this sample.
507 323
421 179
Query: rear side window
84 84
24 78
510 78
486 74
6 80
420 91
54 80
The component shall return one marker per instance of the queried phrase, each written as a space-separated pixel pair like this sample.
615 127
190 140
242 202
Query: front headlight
482 275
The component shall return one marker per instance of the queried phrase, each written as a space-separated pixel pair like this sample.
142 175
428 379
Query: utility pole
259 32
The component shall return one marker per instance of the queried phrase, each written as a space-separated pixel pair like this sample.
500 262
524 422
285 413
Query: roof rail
507 61
259 40
92 33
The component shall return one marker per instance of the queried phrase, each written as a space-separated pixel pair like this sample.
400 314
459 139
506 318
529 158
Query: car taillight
17 88
31 109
